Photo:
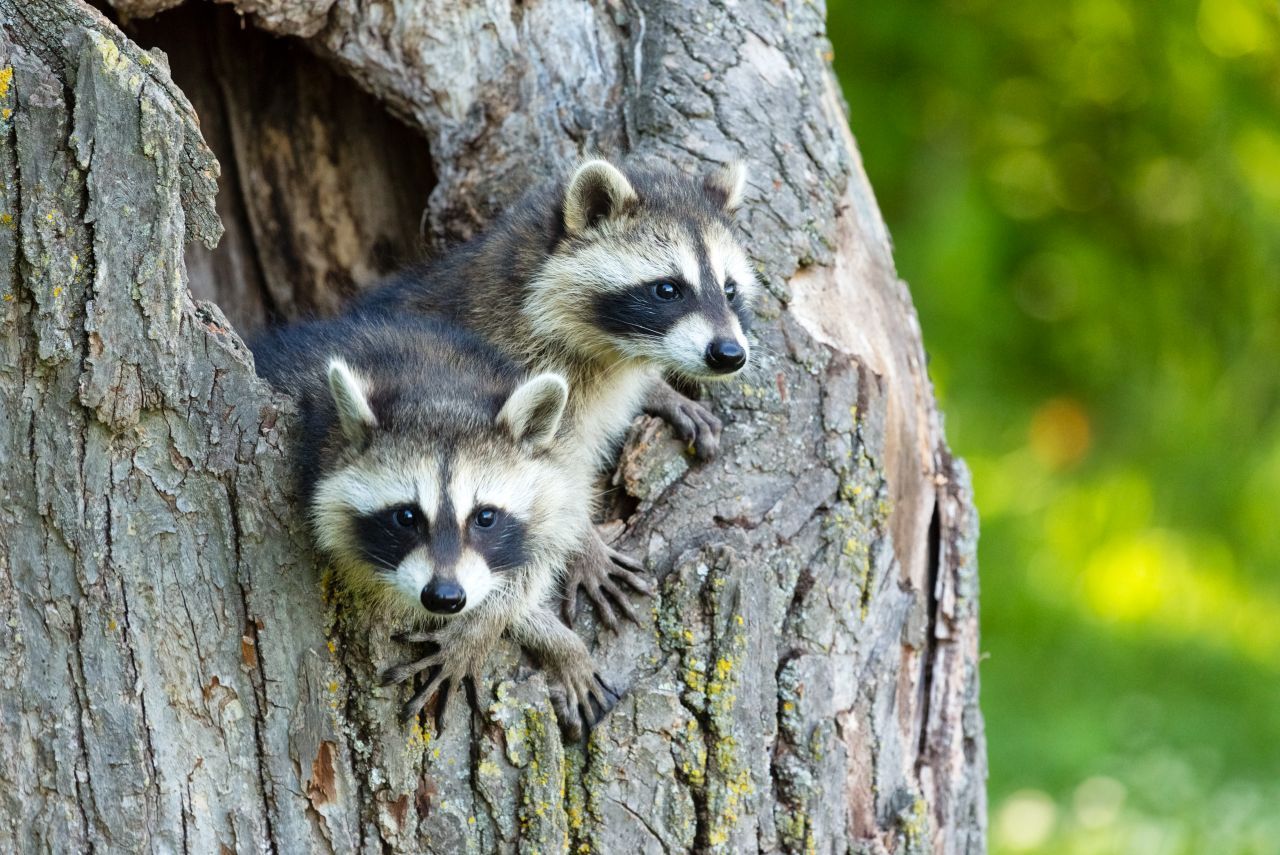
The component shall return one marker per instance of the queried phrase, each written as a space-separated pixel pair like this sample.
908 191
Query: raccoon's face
650 271
443 517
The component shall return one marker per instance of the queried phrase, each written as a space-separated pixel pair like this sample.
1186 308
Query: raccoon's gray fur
429 465
610 277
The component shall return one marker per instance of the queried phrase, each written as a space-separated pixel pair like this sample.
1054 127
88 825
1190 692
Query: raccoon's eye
485 517
405 517
665 291
730 290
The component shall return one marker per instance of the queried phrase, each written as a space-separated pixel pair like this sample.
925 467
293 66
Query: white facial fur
624 244
362 489
685 345
564 282
728 261
687 262
513 488
529 488
413 574
471 572
562 285
687 341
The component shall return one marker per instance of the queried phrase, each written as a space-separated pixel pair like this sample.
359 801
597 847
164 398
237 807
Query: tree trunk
177 672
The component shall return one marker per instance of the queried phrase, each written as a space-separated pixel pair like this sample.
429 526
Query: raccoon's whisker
381 563
644 329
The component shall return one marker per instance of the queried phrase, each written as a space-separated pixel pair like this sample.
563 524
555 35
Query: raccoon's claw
583 701
438 685
697 426
594 572
627 563
607 687
399 673
443 676
427 637
441 683
692 422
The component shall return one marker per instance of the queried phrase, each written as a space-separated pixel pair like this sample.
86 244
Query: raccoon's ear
351 396
597 191
725 186
532 413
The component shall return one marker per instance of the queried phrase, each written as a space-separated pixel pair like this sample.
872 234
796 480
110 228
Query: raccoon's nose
725 355
444 598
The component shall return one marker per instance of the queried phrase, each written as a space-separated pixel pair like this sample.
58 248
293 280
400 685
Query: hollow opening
322 189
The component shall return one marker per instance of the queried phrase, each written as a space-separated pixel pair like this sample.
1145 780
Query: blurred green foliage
1085 198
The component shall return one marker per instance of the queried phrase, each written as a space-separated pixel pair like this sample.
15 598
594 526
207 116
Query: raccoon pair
455 418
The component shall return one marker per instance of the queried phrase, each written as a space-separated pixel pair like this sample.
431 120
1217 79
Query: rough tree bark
177 675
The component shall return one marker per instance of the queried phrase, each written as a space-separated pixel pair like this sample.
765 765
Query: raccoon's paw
691 421
582 699
444 674
597 571
695 424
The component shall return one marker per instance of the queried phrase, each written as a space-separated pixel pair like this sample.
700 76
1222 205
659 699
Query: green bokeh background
1085 199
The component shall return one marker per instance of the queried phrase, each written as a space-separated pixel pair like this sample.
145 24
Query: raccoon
429 464
611 277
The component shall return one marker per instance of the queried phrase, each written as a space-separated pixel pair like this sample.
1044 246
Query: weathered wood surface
177 677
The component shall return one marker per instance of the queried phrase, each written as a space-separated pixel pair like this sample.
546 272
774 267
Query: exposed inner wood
322 190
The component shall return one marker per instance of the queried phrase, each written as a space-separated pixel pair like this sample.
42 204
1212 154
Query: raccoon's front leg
455 657
693 422
594 570
582 697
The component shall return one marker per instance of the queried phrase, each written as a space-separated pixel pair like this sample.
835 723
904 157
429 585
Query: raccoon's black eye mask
386 536
499 537
647 310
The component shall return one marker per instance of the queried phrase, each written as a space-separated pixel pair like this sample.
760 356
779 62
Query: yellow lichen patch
109 51
6 113
915 826
419 738
8 298
6 219
6 79
111 625
57 292
695 676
